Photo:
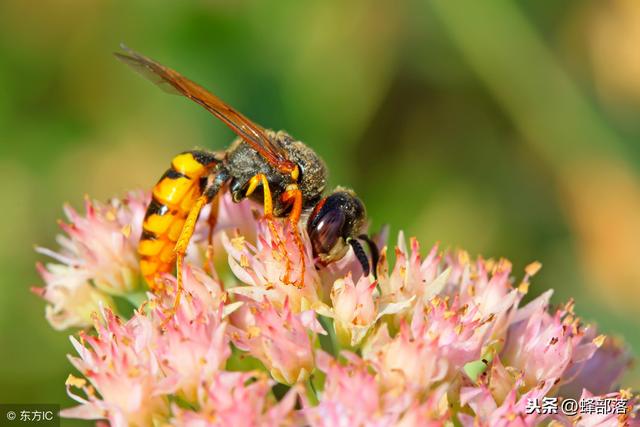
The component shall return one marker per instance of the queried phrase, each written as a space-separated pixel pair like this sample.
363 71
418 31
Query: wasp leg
261 179
180 249
181 245
293 194
268 201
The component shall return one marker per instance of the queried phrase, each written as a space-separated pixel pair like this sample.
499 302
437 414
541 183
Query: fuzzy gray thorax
243 162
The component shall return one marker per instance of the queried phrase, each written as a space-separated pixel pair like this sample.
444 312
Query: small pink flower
543 346
263 267
354 303
600 373
354 309
412 277
278 338
123 371
192 349
353 396
460 332
72 300
101 245
496 398
201 292
350 396
442 338
485 285
239 399
405 361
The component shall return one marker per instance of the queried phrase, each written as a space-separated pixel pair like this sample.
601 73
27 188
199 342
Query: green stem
312 394
329 342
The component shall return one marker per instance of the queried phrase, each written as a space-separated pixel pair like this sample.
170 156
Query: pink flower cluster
97 259
434 341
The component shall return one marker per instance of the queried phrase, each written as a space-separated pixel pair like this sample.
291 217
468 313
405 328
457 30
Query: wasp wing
173 82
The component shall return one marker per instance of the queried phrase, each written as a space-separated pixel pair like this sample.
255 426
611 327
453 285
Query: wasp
273 168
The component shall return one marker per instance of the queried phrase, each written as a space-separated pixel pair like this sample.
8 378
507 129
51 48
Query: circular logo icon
11 415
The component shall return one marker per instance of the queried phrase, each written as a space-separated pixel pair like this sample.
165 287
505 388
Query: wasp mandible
282 173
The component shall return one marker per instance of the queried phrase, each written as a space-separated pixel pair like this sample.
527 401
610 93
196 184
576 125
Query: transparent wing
173 82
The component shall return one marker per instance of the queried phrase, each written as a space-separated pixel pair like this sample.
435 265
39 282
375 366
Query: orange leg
293 194
180 250
261 179
268 200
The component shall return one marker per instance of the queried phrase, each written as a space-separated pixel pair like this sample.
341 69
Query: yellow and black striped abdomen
173 197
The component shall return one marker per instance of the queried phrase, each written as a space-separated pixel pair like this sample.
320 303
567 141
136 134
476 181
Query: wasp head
335 224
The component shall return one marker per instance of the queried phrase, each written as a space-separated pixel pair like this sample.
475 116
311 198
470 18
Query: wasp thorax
312 178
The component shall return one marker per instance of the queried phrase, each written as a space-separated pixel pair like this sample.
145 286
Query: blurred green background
508 128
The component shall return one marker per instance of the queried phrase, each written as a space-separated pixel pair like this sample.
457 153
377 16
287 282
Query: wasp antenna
375 253
360 255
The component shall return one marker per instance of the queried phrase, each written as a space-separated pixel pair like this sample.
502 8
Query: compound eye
327 230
